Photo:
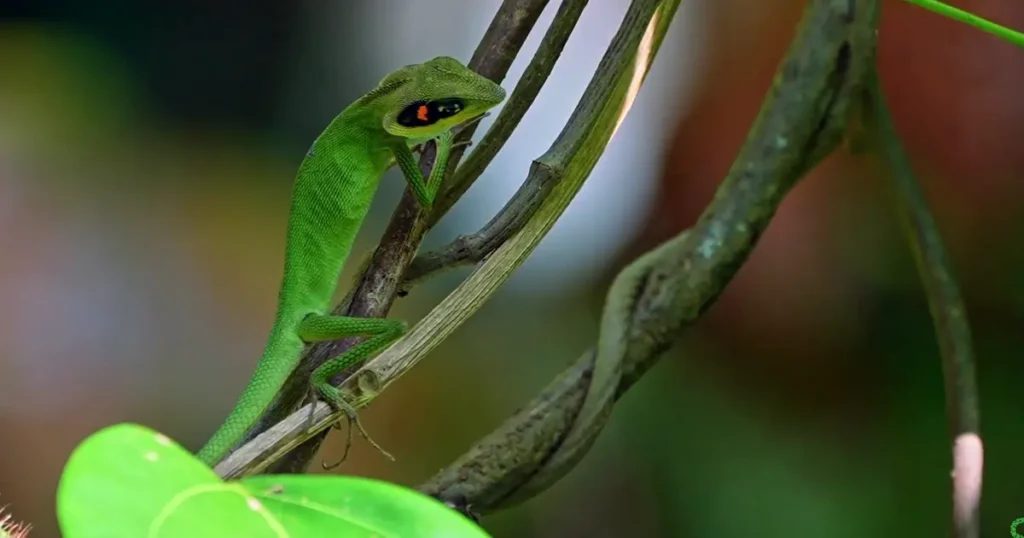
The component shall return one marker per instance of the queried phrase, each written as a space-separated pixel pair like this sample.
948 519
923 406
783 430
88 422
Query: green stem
949 316
1017 38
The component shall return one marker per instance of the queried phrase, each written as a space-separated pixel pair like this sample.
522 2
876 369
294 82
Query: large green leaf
127 481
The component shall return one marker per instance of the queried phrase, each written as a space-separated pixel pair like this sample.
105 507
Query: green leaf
127 481
352 506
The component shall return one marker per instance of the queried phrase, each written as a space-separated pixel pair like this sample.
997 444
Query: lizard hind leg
379 332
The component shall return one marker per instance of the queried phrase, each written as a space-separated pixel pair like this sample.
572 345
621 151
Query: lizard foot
333 397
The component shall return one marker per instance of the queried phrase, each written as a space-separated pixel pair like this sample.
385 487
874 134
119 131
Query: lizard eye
424 113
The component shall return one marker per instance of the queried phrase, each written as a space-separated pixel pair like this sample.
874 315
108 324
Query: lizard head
421 101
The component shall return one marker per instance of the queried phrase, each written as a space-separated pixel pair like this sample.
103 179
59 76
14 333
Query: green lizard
330 198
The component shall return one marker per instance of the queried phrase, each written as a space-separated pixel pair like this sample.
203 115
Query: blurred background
147 151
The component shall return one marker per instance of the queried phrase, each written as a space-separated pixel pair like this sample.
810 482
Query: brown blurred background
146 155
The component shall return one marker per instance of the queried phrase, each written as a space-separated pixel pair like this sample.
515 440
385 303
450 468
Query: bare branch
473 248
803 119
514 109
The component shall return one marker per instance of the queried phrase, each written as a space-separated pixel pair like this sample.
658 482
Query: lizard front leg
425 190
379 332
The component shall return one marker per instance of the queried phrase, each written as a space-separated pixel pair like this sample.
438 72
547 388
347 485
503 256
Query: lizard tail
279 358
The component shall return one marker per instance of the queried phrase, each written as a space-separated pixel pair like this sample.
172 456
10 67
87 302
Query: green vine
985 25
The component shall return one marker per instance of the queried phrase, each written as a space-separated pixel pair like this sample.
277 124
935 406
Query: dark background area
146 155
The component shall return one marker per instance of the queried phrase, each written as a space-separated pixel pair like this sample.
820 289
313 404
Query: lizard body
333 189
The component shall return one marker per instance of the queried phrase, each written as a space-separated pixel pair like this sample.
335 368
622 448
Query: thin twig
948 314
472 248
519 101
